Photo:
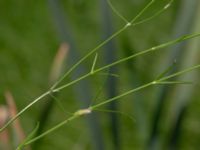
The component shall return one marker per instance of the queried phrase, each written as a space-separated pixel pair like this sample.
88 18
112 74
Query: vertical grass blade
110 54
183 94
182 26
83 96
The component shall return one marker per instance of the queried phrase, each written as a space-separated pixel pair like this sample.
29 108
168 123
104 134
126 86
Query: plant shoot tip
154 82
167 6
83 112
128 24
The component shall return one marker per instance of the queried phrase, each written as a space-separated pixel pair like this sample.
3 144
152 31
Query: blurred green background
164 116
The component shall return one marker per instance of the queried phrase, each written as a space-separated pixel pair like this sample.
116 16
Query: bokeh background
159 117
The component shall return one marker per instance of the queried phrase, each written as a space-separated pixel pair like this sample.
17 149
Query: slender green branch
23 110
94 63
31 135
74 116
101 69
142 11
122 95
179 73
117 12
103 43
128 58
52 89
87 55
166 71
174 82
117 112
154 15
91 108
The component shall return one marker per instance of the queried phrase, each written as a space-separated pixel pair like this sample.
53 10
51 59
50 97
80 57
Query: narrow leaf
29 137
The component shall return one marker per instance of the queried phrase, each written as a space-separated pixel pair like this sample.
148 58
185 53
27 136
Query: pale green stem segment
179 73
175 82
91 108
94 63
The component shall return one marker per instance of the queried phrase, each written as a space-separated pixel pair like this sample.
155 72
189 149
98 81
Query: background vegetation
159 117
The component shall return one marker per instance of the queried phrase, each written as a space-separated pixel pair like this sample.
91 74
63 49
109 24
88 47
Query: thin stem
87 55
117 12
174 82
52 129
20 147
98 70
102 44
122 95
116 112
89 110
142 11
59 104
128 58
23 110
76 115
151 17
94 63
179 73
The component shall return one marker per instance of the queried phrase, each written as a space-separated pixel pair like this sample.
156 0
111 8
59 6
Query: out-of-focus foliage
29 41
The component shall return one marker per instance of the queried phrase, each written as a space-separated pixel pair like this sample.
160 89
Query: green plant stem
103 43
89 110
142 11
178 73
52 129
98 70
52 89
87 55
120 96
128 58
20 147
24 109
